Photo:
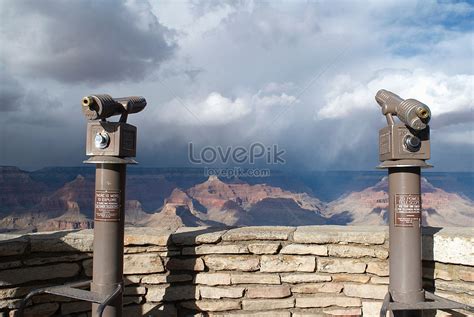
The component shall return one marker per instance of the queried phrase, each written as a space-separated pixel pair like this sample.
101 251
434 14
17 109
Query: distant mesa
213 178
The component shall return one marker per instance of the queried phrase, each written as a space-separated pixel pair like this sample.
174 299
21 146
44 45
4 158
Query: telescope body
96 107
397 142
111 139
408 140
413 113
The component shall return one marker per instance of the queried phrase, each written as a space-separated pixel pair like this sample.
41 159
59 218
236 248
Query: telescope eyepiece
423 113
87 101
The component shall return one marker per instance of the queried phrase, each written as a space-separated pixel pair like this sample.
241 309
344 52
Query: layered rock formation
370 206
77 195
217 202
153 200
13 196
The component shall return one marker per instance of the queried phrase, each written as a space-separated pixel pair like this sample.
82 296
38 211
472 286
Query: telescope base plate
98 159
404 163
433 302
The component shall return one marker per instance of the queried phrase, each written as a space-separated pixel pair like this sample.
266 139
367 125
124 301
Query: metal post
111 146
109 219
405 238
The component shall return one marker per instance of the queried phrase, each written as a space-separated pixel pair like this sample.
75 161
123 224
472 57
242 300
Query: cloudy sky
300 74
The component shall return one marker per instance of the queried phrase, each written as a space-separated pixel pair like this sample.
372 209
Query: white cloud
216 109
212 110
441 92
274 100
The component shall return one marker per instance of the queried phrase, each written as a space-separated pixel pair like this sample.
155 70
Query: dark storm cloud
85 41
11 92
453 118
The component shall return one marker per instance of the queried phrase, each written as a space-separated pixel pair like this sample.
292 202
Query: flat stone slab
287 263
62 241
211 292
343 312
305 278
379 280
357 278
216 249
258 233
269 313
449 245
38 273
212 278
266 304
10 264
255 278
147 236
12 244
305 249
378 268
171 293
264 248
326 301
455 287
357 251
142 263
45 309
372 308
265 291
245 263
311 288
212 305
54 259
338 234
197 235
366 291
335 265
165 278
189 264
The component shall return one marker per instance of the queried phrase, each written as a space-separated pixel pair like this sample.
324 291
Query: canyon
58 200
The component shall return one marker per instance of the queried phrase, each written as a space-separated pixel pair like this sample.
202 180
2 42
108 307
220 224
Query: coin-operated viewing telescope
409 139
111 138
403 149
413 113
111 146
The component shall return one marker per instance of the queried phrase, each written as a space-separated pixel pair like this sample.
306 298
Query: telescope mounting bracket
75 291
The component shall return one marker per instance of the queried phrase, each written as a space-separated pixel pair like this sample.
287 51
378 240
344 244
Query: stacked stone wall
251 271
